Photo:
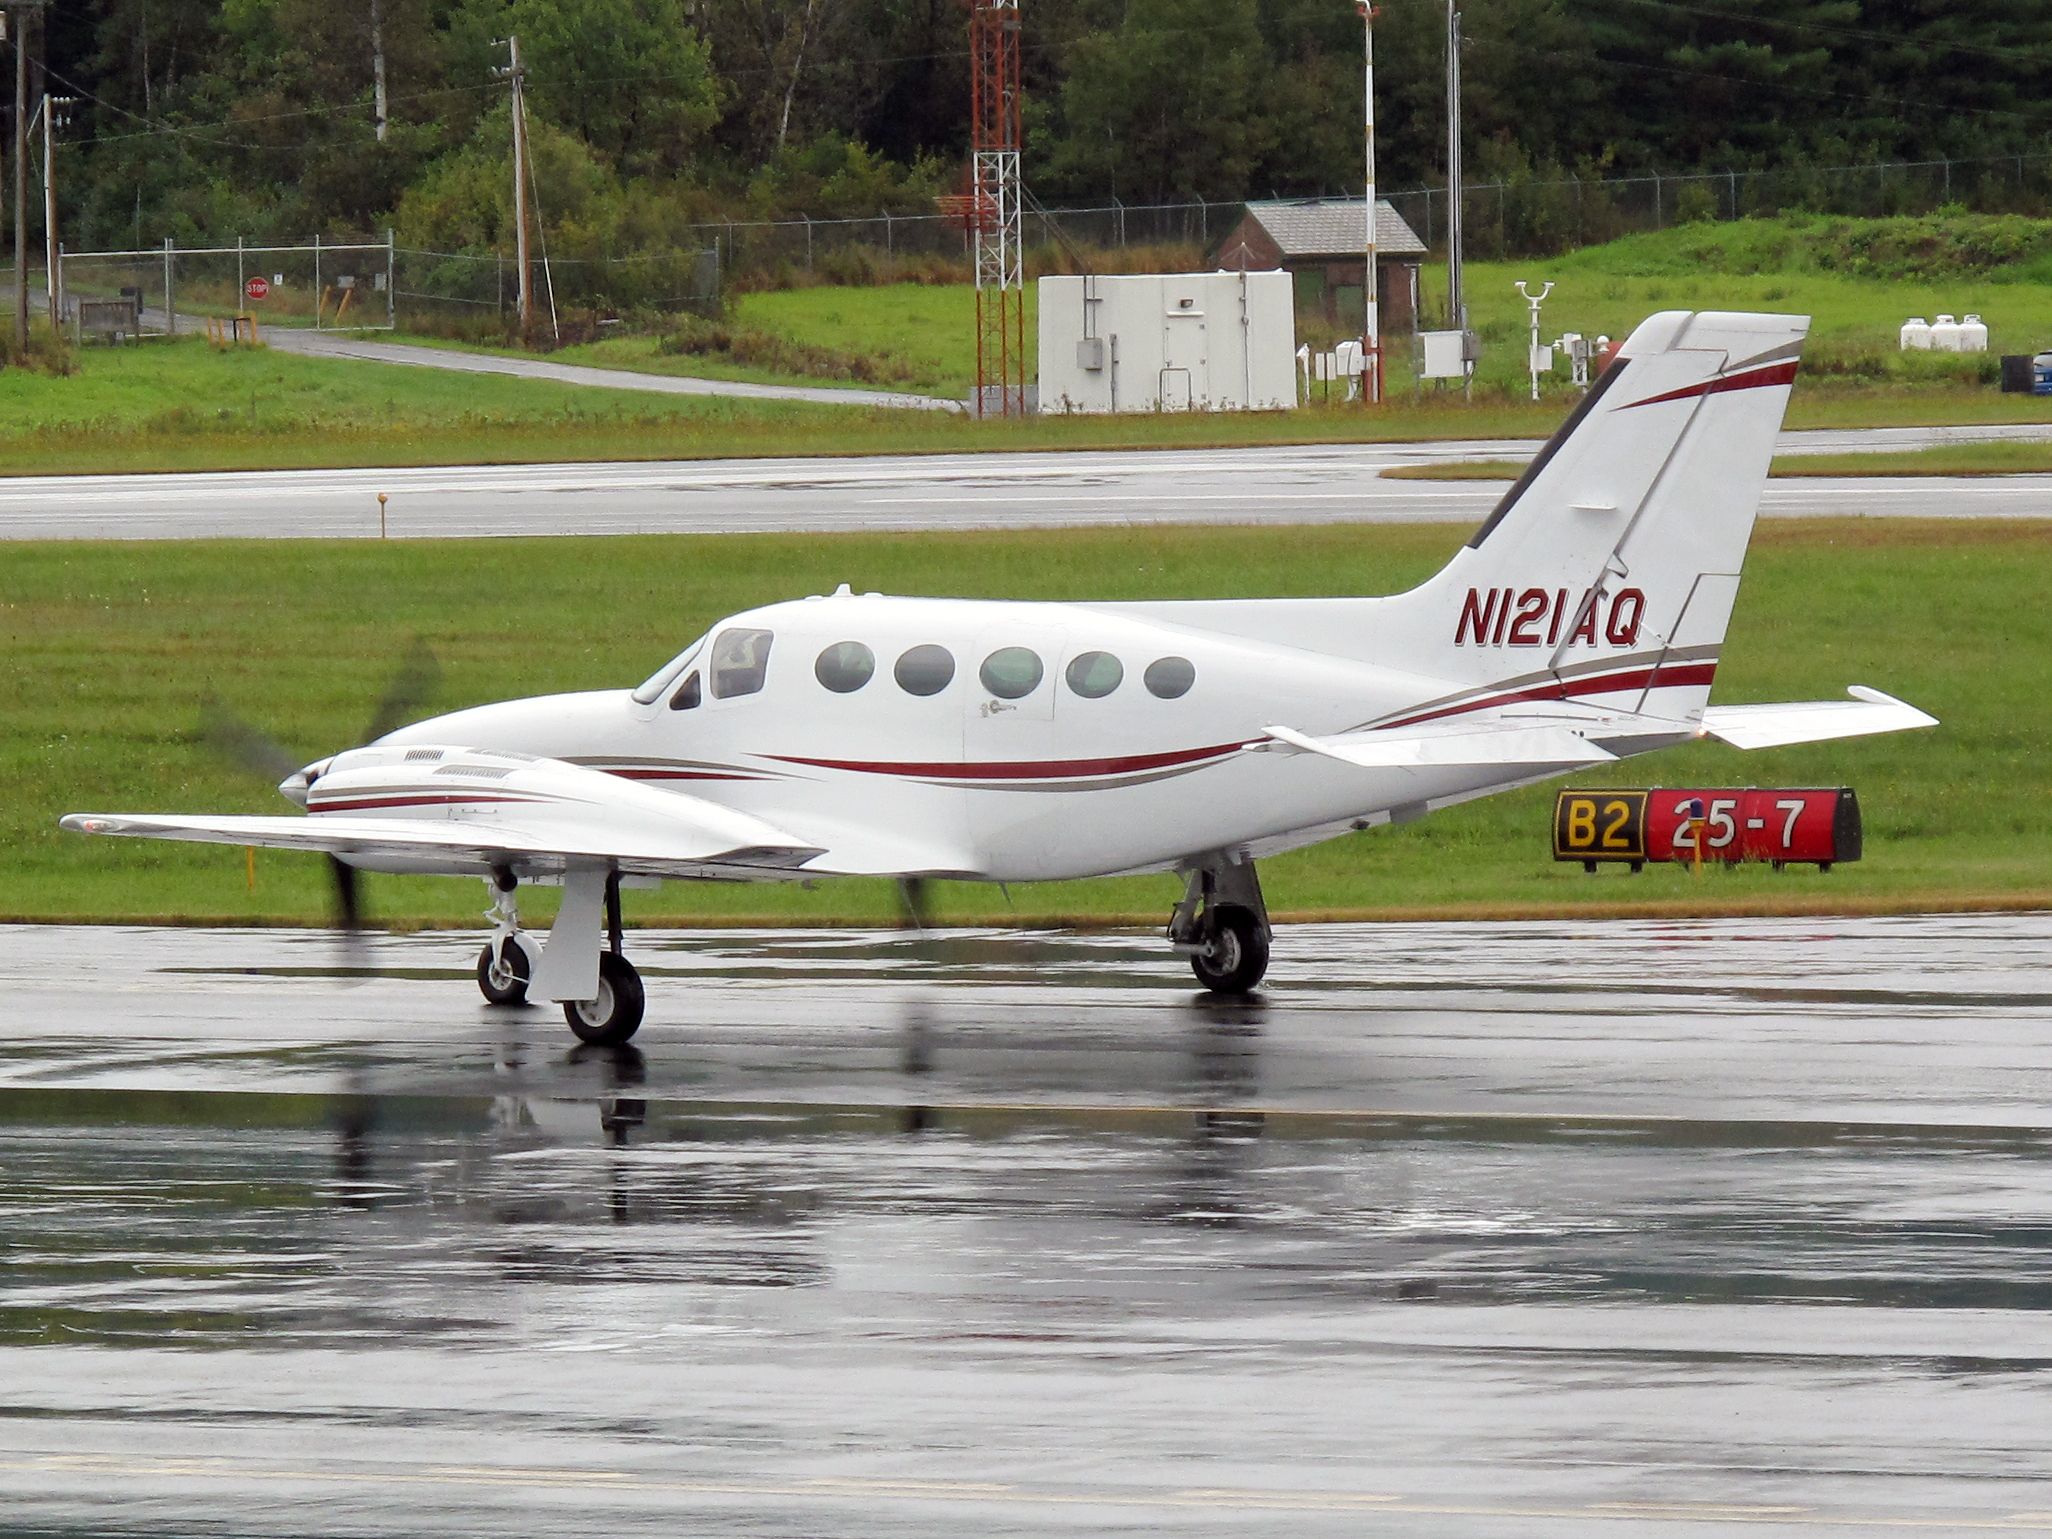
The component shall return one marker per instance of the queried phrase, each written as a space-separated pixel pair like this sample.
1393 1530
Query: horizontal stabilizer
1812 721
1432 750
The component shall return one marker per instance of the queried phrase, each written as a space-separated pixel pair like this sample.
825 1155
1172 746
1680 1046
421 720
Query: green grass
1799 263
182 406
1979 459
107 650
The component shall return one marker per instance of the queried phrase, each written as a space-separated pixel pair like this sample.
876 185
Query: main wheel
1238 954
615 1015
502 972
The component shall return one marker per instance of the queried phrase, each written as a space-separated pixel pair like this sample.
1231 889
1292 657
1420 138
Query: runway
1494 1229
1277 485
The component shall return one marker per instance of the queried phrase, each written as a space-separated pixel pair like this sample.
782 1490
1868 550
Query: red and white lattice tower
1000 263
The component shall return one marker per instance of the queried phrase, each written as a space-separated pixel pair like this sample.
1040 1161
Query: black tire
615 1015
1239 952
502 973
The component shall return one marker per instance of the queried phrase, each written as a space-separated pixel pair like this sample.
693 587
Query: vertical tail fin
1609 570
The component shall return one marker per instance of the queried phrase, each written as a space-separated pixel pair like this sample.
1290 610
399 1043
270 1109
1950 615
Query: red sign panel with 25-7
1807 825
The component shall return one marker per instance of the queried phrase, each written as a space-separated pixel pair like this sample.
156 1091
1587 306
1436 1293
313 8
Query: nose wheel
506 965
503 972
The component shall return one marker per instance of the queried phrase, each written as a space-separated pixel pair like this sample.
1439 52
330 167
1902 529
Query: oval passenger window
1011 673
925 670
845 667
1170 677
1093 675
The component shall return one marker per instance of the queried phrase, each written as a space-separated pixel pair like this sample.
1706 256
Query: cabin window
1093 675
686 698
925 670
1011 673
845 667
1170 678
740 660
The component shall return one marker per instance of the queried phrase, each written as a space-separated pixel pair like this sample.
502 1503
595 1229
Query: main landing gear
600 991
1222 925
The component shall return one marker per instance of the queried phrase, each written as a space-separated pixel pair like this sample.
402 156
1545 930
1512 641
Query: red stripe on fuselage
1020 769
1680 674
1751 379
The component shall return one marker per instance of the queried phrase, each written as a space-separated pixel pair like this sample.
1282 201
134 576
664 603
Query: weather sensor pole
995 208
1371 330
1538 358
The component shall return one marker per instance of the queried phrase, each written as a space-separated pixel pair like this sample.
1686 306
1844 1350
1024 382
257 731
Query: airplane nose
294 787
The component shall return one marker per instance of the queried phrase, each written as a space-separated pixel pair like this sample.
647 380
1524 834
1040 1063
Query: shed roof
1330 227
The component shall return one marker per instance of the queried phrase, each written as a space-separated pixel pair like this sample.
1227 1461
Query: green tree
634 79
1162 107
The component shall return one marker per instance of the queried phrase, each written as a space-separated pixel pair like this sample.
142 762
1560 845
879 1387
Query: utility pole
21 28
513 72
1456 300
53 269
1371 331
377 26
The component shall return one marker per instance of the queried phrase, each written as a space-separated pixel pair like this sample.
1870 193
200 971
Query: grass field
106 652
1825 268
182 406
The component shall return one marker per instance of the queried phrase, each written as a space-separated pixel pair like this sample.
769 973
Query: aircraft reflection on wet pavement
1743 1224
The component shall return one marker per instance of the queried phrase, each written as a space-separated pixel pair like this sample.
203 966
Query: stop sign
258 287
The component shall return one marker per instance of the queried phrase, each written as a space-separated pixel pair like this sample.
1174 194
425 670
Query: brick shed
1318 241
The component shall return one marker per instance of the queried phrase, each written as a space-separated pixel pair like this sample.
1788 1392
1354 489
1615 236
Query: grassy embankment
181 406
107 650
1858 279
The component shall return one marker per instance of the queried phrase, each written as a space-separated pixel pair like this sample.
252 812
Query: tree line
267 117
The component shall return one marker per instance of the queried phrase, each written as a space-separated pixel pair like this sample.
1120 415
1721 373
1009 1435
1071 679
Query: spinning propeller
248 746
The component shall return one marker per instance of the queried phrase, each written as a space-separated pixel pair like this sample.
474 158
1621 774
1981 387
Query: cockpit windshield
660 680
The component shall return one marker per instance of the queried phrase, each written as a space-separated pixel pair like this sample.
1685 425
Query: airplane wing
461 846
1812 721
461 811
1429 749
470 812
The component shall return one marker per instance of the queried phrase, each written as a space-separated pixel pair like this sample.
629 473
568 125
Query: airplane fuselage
999 740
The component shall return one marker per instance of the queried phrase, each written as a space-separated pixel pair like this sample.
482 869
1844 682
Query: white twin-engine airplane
862 735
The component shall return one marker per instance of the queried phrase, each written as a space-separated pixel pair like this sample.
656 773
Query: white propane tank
1916 334
1945 335
1973 335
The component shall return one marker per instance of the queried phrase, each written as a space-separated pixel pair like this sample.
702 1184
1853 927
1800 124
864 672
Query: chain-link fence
488 284
377 283
1545 217
320 285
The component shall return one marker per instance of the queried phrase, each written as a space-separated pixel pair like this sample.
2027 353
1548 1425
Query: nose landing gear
1222 925
506 965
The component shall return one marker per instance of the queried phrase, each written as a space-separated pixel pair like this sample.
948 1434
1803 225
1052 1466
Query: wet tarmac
1282 485
1505 1229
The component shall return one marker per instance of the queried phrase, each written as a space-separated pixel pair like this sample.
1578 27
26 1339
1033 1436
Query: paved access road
1548 1229
330 344
1317 484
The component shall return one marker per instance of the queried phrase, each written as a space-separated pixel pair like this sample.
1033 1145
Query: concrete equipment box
1223 341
